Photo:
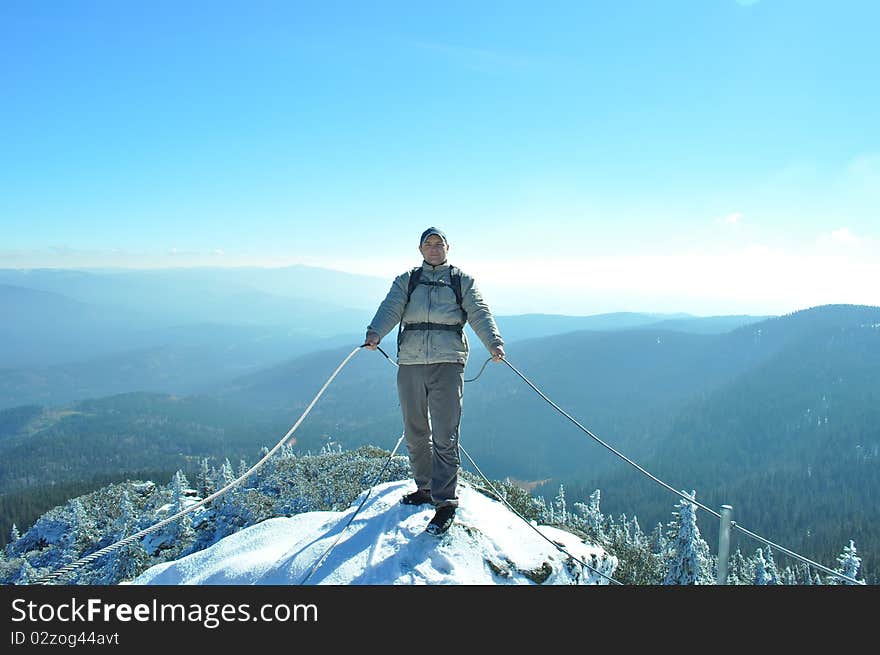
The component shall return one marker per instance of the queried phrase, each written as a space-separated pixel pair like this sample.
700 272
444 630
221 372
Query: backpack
415 278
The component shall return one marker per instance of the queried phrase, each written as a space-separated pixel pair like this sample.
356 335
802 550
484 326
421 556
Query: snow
165 537
386 545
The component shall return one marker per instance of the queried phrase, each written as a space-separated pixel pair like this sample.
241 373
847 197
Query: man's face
434 250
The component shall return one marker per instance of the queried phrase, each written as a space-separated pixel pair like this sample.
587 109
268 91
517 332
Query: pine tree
129 560
204 480
765 569
80 532
14 536
848 564
760 565
739 571
182 532
595 512
806 576
26 573
542 510
689 561
177 536
561 512
593 521
619 531
225 477
634 530
637 564
772 570
659 543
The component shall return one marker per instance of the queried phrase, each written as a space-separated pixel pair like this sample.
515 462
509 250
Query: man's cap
429 232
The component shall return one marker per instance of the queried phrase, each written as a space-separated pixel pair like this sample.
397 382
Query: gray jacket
435 304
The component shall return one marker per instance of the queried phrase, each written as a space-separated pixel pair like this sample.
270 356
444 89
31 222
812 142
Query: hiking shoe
418 497
442 520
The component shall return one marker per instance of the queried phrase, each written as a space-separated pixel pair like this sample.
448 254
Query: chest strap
433 326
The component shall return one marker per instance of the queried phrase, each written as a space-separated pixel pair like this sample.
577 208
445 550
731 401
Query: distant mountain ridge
531 326
70 316
621 380
79 334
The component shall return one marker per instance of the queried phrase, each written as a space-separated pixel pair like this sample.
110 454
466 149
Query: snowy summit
386 545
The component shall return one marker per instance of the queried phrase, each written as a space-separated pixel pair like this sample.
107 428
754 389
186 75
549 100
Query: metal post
724 544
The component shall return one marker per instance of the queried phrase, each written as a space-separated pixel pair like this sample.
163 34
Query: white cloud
755 279
731 219
843 235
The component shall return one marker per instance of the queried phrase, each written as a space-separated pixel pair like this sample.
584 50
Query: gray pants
435 390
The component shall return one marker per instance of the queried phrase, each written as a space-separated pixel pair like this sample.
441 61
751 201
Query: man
432 351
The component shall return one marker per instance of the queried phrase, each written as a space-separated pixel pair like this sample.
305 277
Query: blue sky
707 156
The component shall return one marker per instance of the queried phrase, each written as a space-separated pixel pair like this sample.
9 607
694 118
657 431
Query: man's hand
497 353
372 341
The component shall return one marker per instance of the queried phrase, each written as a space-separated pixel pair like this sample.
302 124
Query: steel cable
321 559
69 568
693 501
529 523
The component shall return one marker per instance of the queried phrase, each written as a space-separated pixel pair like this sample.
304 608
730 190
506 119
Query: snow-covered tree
286 486
205 479
180 501
635 532
638 565
80 532
765 568
543 511
739 569
26 573
14 536
560 508
772 569
659 543
848 564
130 559
243 467
591 515
225 474
689 561
806 575
618 530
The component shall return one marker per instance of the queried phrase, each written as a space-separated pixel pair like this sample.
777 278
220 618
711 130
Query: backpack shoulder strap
455 278
414 276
